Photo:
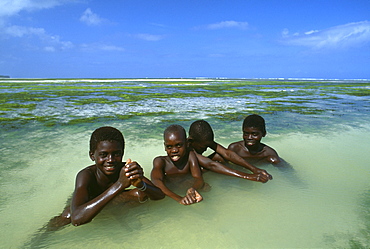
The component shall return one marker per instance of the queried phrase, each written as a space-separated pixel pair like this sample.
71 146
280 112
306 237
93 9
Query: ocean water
321 128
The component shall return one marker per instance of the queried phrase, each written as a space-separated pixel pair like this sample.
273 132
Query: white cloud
100 47
10 8
90 18
148 37
49 49
55 40
112 48
52 41
20 31
346 35
310 32
285 32
13 7
228 24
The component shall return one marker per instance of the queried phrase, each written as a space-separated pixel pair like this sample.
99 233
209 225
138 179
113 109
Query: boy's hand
192 196
263 172
258 178
123 179
133 172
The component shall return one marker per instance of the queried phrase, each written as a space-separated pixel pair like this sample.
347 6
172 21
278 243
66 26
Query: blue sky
194 38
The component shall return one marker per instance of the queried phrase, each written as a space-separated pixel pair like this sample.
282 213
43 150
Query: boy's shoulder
269 150
158 158
271 155
89 169
236 145
87 177
87 172
161 161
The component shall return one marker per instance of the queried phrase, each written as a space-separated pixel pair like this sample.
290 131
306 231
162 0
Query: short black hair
174 128
201 130
106 133
256 121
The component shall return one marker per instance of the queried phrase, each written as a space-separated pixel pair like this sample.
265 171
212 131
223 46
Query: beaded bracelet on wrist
143 188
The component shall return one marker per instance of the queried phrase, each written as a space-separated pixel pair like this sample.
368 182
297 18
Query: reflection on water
322 202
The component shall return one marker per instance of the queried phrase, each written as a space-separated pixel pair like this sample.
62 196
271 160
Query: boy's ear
264 134
92 157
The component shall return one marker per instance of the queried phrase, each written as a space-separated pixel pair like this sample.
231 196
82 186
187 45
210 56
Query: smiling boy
250 148
109 177
180 160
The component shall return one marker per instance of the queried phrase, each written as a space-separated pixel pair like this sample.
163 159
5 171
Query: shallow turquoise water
323 203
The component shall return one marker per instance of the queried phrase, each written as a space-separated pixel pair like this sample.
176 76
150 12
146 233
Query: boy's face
175 145
108 157
252 136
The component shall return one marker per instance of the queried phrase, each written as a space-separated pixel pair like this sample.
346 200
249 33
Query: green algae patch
12 106
142 114
280 107
30 100
92 101
77 120
87 120
22 97
132 97
26 120
231 116
152 113
358 92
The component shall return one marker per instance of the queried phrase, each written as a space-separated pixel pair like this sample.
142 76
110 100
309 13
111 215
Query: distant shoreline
204 79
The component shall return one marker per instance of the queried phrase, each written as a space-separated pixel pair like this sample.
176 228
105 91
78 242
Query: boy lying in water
201 137
108 178
250 148
180 160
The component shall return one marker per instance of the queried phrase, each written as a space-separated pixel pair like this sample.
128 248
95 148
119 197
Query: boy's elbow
79 223
274 160
157 182
158 197
156 193
211 166
76 220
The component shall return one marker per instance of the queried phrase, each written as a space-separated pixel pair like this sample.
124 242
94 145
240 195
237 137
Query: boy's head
200 135
174 129
255 121
253 131
175 142
106 133
106 149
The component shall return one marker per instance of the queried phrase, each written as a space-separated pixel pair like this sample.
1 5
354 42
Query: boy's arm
222 169
153 192
136 175
231 156
84 210
273 157
192 194
195 171
157 176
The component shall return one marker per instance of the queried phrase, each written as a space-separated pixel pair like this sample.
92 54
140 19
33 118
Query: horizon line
190 78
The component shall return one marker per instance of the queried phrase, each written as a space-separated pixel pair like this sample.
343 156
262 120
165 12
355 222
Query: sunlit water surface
322 203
